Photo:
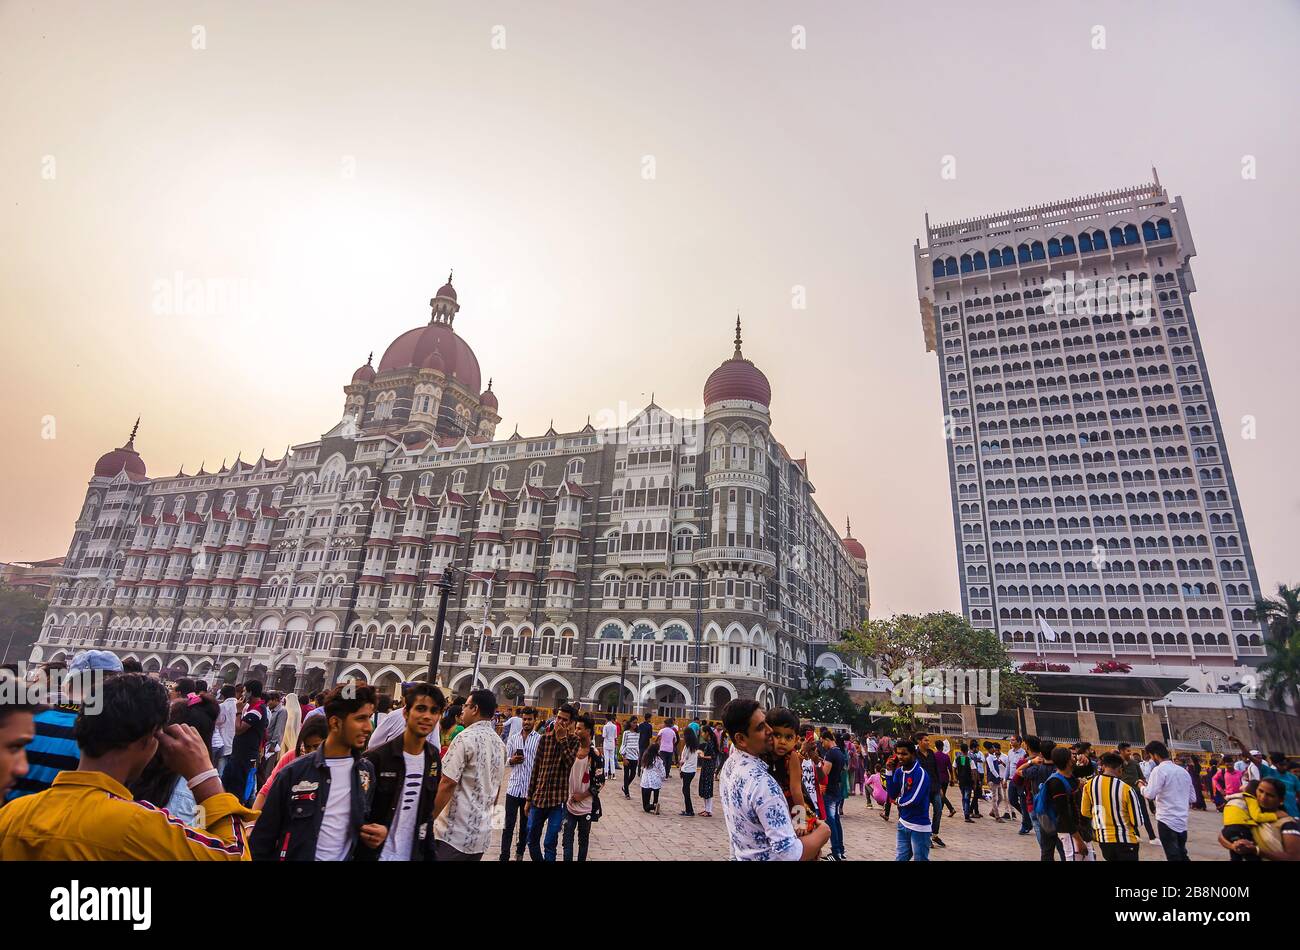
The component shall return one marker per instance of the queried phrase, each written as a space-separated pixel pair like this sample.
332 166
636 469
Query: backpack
1044 810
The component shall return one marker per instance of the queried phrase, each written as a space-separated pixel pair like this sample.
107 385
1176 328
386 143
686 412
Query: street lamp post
487 609
444 591
622 676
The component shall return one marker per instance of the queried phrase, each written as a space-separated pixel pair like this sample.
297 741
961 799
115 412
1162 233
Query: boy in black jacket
408 769
319 807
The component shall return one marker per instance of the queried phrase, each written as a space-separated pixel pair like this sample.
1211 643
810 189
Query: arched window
573 471
536 472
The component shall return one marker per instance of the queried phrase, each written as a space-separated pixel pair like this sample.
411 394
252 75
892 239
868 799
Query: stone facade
683 557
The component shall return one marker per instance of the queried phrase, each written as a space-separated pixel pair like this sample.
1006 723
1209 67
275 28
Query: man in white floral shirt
757 813
472 768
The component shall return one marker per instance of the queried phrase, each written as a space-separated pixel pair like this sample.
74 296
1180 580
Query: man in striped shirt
521 752
54 747
1113 806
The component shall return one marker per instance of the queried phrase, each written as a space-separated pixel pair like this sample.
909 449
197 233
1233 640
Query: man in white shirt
471 778
223 732
1170 787
610 732
995 764
510 727
757 814
521 752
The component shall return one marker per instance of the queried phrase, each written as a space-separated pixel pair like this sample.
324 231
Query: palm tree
1281 615
1280 673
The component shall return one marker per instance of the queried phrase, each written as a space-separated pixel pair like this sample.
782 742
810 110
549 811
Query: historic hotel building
1089 468
691 548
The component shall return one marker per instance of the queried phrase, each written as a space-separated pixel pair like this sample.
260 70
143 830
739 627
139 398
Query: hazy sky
320 166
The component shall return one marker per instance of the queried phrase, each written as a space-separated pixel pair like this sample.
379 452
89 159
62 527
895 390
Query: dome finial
738 355
489 384
449 274
370 358
134 429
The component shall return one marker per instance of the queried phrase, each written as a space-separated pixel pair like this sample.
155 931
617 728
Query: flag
1048 632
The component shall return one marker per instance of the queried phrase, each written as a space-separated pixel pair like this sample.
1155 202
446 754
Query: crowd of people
180 771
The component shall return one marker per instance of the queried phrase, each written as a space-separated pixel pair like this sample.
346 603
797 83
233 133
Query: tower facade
1092 496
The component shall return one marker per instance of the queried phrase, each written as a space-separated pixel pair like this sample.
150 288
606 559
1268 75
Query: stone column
1151 731
969 721
1088 726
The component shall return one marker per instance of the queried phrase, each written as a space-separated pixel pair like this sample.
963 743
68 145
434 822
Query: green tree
934 641
20 623
1280 670
1281 614
826 697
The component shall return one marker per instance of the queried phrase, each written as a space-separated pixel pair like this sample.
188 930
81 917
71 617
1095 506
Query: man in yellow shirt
1113 807
89 815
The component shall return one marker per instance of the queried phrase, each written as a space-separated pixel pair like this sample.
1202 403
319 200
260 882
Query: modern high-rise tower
1092 496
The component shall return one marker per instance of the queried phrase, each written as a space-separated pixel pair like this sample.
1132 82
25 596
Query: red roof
417 348
855 548
111 463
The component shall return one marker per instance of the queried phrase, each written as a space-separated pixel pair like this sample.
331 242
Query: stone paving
626 833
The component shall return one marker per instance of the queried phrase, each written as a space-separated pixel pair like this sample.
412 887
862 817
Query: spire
848 527
130 442
449 274
370 358
489 389
737 355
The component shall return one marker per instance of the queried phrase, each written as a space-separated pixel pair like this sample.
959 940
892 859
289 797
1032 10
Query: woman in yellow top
88 813
1256 828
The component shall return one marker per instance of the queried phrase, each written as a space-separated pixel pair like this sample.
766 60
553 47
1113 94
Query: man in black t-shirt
833 764
250 728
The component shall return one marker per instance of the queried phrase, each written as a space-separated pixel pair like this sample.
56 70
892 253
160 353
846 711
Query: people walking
631 749
690 759
1170 788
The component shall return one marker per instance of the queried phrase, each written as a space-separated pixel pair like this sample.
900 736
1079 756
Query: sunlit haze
324 165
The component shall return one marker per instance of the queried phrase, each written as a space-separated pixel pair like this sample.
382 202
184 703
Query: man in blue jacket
909 786
319 807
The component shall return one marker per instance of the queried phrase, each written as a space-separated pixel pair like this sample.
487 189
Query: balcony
746 555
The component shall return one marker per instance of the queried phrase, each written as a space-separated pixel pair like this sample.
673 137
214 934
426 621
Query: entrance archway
286 677
666 699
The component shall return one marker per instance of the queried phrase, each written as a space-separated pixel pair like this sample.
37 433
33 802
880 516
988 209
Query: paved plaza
626 833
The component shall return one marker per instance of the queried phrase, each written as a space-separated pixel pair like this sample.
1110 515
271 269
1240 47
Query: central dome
435 346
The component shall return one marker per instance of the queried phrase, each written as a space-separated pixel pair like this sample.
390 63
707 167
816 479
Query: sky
611 182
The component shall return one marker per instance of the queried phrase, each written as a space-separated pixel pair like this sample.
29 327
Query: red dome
364 374
435 361
446 290
111 463
416 348
488 398
855 548
737 378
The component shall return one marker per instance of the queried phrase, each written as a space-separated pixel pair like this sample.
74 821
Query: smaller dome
851 544
737 378
488 397
446 290
126 458
366 373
